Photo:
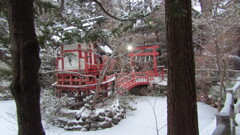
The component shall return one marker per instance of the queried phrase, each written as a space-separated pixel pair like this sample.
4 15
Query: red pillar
162 73
154 62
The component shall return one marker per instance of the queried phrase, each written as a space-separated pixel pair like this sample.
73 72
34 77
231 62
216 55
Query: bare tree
220 41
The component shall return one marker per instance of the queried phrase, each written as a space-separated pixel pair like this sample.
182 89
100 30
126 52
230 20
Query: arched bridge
127 81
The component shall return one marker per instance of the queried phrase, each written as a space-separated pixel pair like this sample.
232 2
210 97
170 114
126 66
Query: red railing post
162 73
133 76
71 79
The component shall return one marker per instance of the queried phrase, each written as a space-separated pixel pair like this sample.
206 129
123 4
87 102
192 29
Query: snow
236 86
159 81
3 65
138 122
56 38
70 28
89 24
208 130
93 18
225 2
110 80
196 5
8 123
106 49
5 83
229 98
227 103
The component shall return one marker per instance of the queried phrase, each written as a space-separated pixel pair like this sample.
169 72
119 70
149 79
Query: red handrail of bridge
126 81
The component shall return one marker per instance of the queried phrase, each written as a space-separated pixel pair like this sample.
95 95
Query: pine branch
120 19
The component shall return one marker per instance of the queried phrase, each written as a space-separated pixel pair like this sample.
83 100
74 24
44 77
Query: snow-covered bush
51 105
104 115
215 91
61 111
125 101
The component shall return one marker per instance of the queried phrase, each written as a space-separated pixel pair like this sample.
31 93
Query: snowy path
138 122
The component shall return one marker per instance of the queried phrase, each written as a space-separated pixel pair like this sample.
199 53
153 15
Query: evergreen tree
182 107
25 65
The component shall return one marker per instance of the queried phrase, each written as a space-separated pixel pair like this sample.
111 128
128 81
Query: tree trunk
25 63
182 107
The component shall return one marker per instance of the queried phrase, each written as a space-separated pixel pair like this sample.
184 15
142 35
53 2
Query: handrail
122 80
226 117
133 79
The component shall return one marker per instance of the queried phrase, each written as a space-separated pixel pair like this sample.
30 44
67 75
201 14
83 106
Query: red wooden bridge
127 81
82 75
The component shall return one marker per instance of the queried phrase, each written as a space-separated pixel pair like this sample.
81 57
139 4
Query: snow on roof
106 49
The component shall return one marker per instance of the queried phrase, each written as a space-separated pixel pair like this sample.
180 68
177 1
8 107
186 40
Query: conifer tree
25 65
181 100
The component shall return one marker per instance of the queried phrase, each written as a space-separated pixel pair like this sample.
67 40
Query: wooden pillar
71 79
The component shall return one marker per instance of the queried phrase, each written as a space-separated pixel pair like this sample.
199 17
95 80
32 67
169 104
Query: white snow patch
56 38
208 130
160 81
138 122
70 28
163 83
106 49
89 24
5 83
226 1
93 18
196 5
236 86
8 123
4 65
227 103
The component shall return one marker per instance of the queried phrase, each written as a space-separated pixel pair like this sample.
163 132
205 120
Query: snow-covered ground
138 122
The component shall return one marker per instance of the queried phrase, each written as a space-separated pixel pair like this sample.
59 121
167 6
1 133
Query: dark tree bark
182 107
25 63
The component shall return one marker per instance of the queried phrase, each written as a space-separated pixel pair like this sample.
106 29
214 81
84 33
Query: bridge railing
128 80
226 118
